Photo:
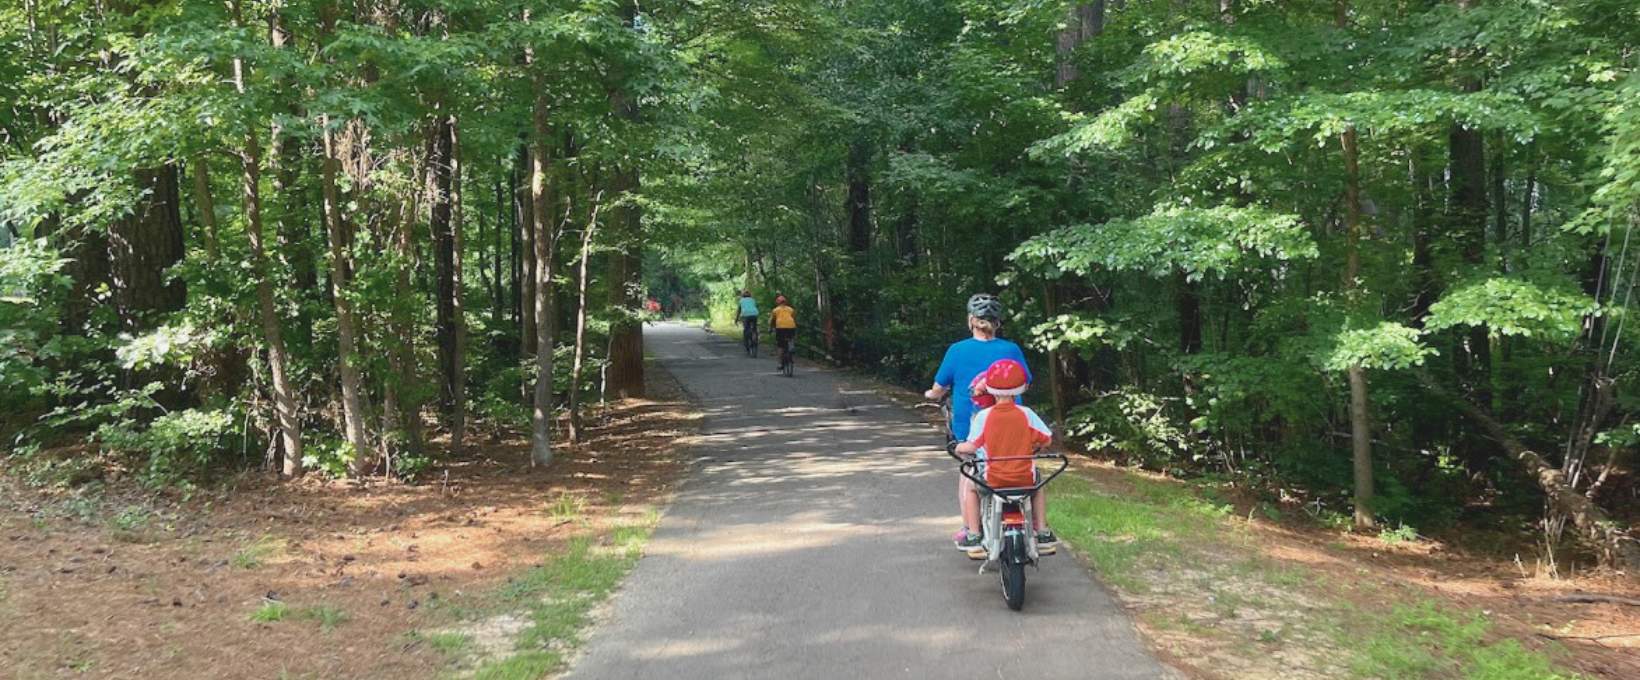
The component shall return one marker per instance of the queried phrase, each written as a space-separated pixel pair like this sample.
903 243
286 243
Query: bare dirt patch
170 590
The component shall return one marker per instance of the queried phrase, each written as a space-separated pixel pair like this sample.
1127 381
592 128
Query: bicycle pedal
1047 549
977 554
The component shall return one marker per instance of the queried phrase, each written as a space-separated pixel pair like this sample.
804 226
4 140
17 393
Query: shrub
177 446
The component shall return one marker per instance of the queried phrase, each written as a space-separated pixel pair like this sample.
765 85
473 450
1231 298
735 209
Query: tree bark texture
340 234
287 411
142 246
541 304
1360 426
624 378
441 162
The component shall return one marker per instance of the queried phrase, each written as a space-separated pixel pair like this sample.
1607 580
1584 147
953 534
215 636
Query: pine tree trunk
441 163
1467 221
1083 22
207 207
1187 301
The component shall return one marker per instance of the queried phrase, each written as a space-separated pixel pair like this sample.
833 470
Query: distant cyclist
965 362
784 321
748 318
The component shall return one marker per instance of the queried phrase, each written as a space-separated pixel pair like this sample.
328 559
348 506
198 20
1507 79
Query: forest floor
256 579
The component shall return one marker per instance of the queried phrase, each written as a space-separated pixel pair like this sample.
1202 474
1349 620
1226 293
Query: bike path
812 540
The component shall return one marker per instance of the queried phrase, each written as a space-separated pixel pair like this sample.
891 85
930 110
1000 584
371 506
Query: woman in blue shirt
964 361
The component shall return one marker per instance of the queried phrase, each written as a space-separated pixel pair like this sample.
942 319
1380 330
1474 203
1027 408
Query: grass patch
1424 640
1207 578
1122 534
329 617
258 552
558 597
524 666
567 507
271 611
453 645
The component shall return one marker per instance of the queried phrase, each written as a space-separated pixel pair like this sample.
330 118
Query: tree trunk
575 428
287 413
1467 220
1423 259
207 207
441 162
859 197
1188 301
457 369
295 250
1360 426
529 225
142 246
1617 547
625 374
541 304
1082 21
340 233
497 281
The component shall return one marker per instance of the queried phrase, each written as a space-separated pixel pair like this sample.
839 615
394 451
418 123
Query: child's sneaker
1046 542
968 541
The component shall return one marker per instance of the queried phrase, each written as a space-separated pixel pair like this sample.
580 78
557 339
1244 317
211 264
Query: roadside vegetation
1234 594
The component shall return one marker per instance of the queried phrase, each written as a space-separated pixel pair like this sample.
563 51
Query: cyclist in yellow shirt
784 321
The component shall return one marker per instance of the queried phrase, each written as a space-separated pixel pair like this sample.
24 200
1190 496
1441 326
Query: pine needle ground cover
323 580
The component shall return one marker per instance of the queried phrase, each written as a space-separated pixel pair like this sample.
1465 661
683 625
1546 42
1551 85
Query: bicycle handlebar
970 469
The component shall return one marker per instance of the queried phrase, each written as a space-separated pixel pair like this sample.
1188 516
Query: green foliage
1508 306
1196 241
31 281
1400 534
1136 423
174 447
333 457
1388 346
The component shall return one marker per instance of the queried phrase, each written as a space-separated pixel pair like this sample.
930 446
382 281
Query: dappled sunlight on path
811 540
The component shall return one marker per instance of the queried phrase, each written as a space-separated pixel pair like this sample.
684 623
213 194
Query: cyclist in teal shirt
748 315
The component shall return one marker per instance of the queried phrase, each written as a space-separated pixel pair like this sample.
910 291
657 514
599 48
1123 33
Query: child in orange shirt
1010 430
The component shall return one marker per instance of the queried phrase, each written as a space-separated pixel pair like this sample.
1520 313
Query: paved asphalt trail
812 540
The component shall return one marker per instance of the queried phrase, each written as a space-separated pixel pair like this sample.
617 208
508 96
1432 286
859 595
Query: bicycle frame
1005 513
